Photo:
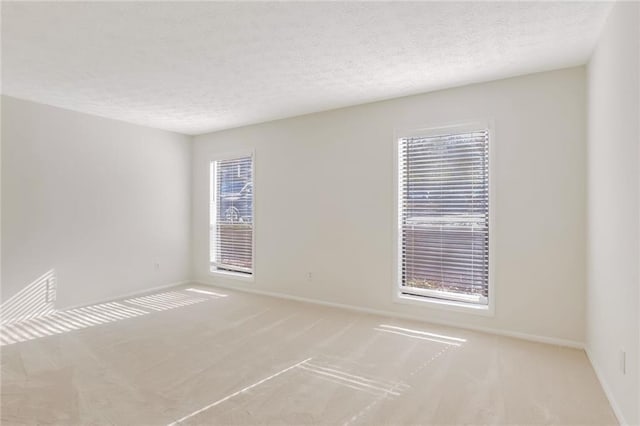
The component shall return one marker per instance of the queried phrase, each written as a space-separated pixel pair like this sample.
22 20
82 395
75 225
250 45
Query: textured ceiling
198 67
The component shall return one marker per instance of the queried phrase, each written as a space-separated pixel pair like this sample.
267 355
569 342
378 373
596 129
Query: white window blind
231 231
444 216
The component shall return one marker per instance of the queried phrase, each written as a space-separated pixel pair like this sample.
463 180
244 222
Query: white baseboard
127 295
506 333
606 388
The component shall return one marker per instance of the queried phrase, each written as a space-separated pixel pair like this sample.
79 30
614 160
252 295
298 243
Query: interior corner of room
322 243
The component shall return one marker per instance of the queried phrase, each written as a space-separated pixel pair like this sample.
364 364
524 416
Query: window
443 215
231 215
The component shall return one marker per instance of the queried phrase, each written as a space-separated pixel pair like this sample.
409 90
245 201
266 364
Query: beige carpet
197 355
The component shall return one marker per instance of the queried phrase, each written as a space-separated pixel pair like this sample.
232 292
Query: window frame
426 301
221 273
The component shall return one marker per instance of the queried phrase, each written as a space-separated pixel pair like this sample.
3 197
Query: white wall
324 201
614 208
97 200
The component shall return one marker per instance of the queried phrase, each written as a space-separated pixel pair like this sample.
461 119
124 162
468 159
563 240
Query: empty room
320 213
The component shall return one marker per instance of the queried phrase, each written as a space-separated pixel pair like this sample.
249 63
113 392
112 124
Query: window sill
231 275
445 305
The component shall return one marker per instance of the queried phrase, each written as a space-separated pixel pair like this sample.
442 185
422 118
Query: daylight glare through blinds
444 216
232 215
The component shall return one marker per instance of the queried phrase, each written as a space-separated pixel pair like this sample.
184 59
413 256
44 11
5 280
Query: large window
443 215
231 215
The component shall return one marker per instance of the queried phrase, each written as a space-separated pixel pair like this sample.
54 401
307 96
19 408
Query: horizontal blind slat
232 211
444 209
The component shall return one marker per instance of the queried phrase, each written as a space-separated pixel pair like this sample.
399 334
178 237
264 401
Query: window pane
232 215
444 216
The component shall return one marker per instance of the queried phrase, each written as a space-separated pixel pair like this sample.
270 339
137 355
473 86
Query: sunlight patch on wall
36 299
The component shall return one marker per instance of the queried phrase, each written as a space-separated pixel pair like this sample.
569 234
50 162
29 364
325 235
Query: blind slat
444 214
231 237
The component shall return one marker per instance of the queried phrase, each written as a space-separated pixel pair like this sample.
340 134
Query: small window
443 212
231 214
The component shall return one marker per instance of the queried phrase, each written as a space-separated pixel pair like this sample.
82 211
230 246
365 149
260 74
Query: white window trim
442 304
238 276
